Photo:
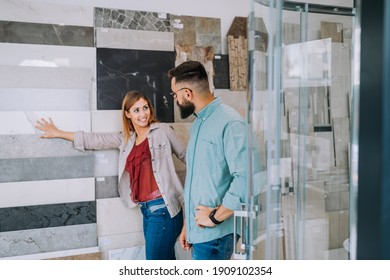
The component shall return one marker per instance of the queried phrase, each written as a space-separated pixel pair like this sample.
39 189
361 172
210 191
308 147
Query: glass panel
299 129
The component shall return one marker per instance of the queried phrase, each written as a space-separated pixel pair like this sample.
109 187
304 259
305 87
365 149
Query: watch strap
212 218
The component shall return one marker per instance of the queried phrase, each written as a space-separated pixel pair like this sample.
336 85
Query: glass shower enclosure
299 122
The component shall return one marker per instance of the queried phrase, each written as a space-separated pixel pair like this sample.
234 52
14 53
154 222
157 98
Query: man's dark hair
189 71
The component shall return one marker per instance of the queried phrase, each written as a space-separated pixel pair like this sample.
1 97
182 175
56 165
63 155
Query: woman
146 174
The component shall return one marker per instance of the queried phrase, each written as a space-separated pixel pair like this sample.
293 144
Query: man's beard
186 109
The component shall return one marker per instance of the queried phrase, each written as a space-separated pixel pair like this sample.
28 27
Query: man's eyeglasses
174 93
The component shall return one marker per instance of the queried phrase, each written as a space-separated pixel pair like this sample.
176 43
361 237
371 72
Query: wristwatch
211 216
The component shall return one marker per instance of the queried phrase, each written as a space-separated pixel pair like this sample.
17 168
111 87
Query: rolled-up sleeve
234 140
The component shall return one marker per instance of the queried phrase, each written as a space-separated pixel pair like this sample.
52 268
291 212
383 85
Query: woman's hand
49 128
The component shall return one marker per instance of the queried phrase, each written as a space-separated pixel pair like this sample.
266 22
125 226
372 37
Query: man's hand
202 216
183 239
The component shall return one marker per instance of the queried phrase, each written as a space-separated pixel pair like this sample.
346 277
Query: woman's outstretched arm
51 131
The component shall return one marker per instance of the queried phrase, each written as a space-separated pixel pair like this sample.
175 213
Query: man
216 165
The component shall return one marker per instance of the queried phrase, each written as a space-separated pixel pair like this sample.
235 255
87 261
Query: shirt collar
206 111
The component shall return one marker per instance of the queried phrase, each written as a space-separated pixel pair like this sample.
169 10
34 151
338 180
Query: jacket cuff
78 142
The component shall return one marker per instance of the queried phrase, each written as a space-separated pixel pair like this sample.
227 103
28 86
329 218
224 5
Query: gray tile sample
106 187
128 19
32 146
46 34
35 241
119 71
46 168
44 216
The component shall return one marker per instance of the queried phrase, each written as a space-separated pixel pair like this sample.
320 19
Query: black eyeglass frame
174 93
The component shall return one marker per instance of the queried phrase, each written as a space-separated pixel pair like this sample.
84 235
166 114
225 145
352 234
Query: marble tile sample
134 39
119 71
46 34
44 216
133 253
45 77
52 239
221 70
106 121
128 19
106 163
106 187
32 11
117 241
55 254
113 217
27 99
47 56
235 99
197 31
24 122
46 192
46 168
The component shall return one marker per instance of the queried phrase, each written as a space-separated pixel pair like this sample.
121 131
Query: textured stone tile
106 187
235 99
134 39
31 11
44 216
45 77
125 220
31 33
46 192
14 99
36 241
46 168
129 19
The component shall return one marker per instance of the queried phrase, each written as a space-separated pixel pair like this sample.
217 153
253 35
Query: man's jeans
217 249
160 230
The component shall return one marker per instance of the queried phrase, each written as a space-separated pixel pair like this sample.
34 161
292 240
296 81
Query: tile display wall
57 202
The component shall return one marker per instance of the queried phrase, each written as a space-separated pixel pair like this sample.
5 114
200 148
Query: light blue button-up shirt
216 168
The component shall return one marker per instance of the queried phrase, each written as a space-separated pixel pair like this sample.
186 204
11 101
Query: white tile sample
113 217
35 241
106 120
45 77
24 122
46 192
134 39
132 253
106 163
28 11
47 56
126 240
27 99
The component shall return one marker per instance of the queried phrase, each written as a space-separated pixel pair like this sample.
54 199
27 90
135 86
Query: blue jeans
160 230
217 249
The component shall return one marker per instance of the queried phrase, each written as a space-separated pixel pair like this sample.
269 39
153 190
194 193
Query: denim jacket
163 141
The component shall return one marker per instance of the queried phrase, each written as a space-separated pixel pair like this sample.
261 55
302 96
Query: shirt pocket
160 149
209 154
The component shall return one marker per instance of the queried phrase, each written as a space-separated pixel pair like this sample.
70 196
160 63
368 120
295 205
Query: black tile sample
46 34
46 168
43 216
221 71
120 70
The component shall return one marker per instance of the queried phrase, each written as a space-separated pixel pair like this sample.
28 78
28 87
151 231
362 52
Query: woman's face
139 113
